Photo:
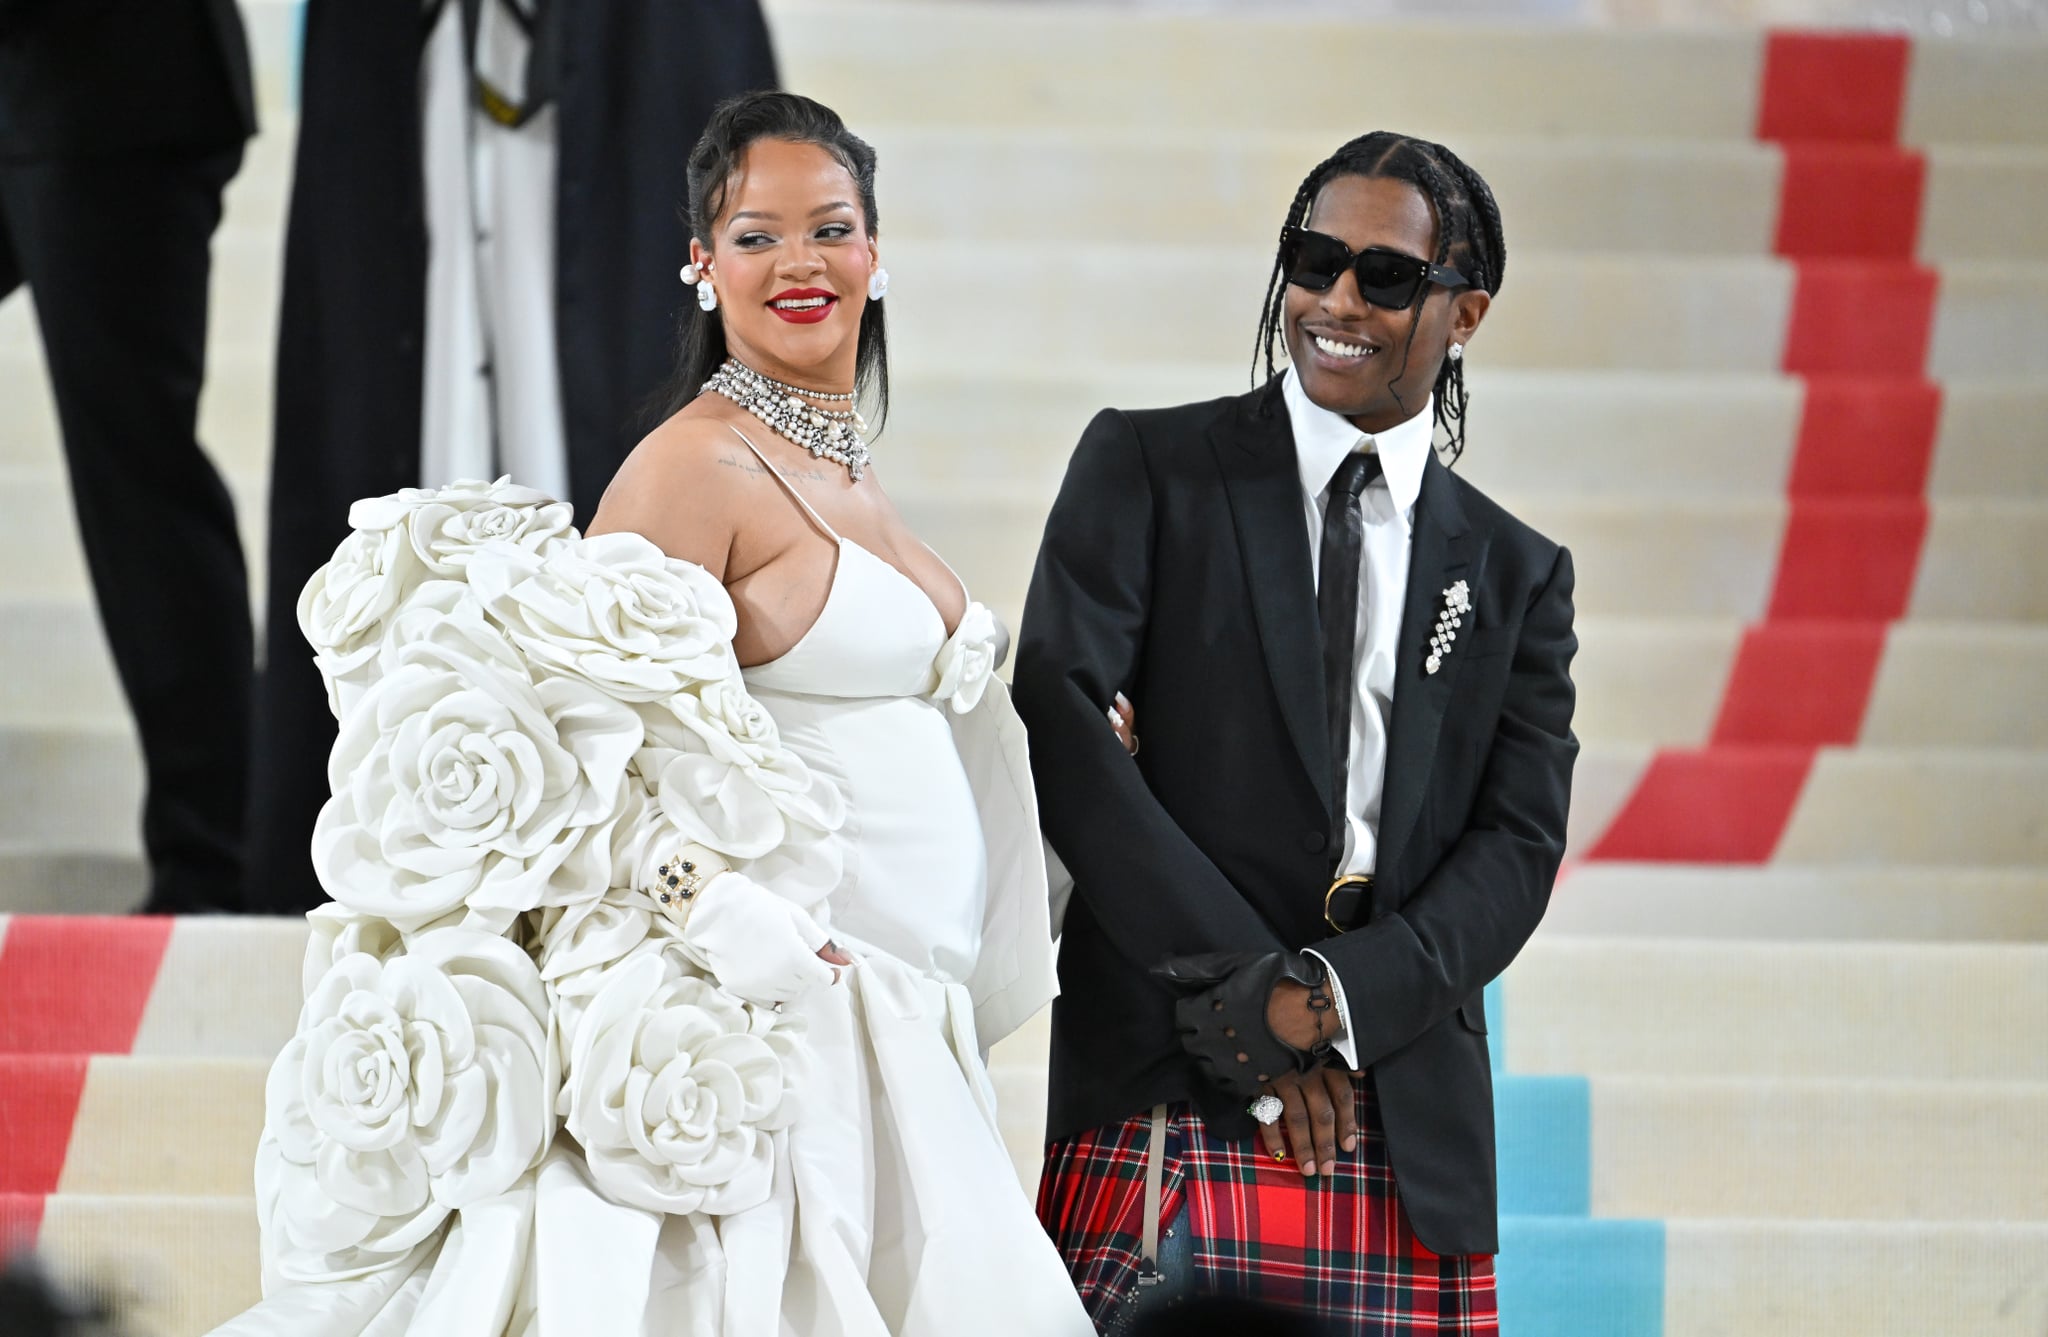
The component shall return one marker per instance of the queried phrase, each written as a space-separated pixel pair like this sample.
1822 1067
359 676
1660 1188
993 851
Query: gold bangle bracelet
682 878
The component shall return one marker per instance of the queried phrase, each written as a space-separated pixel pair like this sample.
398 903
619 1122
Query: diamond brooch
1457 607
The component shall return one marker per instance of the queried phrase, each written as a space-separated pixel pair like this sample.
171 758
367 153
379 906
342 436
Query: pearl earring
878 284
690 273
1457 352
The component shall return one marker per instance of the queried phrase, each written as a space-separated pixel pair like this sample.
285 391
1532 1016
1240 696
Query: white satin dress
897 1211
909 1217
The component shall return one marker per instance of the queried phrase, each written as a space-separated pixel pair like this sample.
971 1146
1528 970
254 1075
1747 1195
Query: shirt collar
1322 439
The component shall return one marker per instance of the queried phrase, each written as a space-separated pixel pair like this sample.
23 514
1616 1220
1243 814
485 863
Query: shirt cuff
1346 1047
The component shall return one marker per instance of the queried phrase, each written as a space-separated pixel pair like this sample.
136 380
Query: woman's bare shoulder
680 488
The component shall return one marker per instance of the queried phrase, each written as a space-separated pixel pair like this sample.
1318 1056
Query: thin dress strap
788 487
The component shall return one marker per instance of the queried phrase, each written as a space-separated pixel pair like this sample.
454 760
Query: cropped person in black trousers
121 121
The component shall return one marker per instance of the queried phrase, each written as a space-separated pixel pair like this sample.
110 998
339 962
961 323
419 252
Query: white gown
896 1210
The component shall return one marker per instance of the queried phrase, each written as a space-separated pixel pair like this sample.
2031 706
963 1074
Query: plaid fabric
1339 1247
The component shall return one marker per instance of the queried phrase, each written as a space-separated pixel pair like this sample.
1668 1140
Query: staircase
1772 358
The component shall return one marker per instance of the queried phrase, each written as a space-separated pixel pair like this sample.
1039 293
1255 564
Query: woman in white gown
707 1058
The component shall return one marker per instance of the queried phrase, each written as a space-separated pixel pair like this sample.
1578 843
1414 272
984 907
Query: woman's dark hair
736 124
1468 240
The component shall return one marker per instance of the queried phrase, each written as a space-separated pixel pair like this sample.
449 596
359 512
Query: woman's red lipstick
809 315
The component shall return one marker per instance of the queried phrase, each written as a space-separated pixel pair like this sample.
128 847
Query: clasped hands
1257 1023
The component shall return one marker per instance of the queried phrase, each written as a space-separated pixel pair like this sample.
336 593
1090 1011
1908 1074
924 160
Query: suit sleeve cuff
1346 1047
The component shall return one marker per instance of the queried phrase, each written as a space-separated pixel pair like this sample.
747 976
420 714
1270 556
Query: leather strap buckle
1347 900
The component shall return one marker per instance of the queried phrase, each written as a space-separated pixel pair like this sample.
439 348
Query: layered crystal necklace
834 434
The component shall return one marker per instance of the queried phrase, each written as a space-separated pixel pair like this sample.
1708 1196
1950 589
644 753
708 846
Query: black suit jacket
82 77
1175 568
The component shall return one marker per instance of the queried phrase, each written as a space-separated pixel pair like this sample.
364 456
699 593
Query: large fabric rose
398 510
675 1089
448 531
343 607
581 943
613 610
961 673
725 779
415 1086
458 781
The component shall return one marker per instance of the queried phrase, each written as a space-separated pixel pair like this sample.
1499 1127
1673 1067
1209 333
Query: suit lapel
1440 555
1255 452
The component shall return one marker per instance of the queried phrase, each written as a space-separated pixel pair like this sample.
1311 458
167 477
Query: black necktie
1337 604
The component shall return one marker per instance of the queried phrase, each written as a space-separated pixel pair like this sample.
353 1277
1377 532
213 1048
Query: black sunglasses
1390 280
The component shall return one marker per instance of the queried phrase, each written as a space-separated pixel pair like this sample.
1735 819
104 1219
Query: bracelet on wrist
682 878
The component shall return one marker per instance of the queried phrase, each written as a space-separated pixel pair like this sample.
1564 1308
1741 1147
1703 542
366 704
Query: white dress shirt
1321 441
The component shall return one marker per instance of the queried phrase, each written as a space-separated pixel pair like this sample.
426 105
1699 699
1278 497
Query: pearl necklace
829 434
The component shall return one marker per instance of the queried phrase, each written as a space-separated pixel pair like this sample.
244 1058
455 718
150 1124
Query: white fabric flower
581 943
457 781
337 933
400 542
967 661
414 1087
613 610
676 1087
343 607
716 765
447 535
396 510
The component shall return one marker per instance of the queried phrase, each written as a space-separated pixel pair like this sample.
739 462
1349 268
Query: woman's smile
803 306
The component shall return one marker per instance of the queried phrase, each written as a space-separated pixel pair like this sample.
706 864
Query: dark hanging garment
634 82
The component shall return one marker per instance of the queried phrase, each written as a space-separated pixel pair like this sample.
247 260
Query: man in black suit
1351 678
121 121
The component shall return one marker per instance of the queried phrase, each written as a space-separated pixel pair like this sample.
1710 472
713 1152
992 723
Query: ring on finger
1267 1109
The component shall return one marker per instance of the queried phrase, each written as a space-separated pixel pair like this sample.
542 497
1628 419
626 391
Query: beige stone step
1067 65
1884 1151
1854 1278
1802 902
1868 807
37 880
71 789
1618 1007
1662 680
175 1266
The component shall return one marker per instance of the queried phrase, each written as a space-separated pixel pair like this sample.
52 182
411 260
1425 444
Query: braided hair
1469 240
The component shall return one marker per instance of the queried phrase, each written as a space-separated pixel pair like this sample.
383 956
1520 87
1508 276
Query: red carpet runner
1862 315
69 988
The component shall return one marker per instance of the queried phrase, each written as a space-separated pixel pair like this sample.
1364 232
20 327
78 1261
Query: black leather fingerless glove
1222 1013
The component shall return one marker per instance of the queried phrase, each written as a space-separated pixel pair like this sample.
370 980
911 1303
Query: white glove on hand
758 945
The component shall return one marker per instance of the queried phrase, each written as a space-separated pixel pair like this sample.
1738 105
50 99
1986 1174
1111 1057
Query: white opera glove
759 945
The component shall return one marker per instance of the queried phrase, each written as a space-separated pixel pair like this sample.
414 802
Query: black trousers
115 251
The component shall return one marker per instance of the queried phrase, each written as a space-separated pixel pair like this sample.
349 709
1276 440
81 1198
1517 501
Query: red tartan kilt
1338 1246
